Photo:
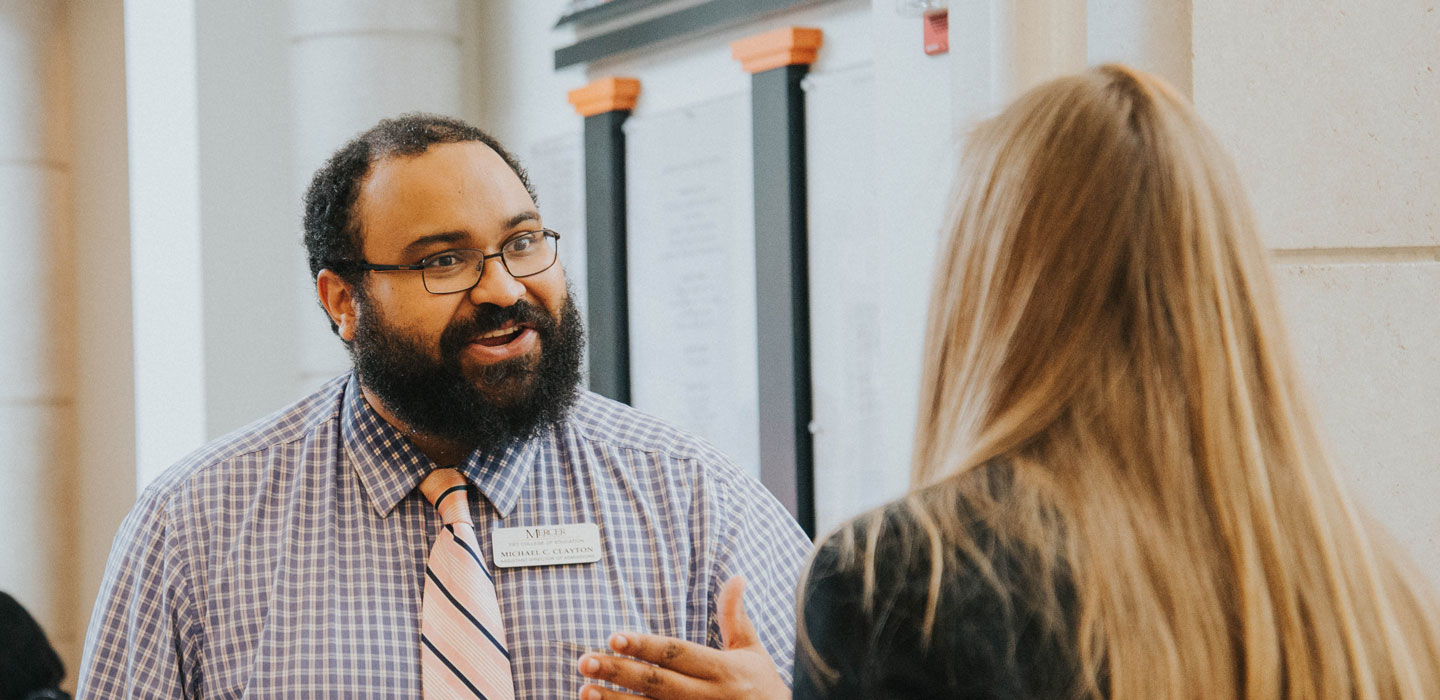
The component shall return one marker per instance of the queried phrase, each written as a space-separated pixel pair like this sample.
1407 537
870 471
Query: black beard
484 408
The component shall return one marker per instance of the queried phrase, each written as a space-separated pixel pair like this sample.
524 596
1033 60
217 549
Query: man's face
471 367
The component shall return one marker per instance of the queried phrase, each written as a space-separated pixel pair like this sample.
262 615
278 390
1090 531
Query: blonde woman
1117 489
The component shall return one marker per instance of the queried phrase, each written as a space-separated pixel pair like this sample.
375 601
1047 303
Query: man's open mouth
501 336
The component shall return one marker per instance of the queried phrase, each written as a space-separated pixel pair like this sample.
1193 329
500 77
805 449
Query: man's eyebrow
457 236
521 218
432 239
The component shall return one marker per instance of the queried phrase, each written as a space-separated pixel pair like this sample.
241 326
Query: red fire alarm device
937 32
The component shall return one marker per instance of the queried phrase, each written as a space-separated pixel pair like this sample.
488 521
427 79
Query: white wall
912 130
232 108
522 98
1152 35
351 63
195 166
1330 110
1328 107
248 211
165 236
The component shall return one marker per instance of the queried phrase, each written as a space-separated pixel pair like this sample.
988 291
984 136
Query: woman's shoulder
939 585
978 503
888 556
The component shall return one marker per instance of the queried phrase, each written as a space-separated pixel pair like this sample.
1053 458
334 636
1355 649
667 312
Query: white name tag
545 545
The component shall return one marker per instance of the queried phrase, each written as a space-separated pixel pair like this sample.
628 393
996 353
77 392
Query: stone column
166 236
37 303
1003 48
352 63
1152 35
104 380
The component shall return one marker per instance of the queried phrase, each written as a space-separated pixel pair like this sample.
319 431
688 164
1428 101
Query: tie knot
445 488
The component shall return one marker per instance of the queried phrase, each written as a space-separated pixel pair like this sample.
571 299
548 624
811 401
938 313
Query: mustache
489 317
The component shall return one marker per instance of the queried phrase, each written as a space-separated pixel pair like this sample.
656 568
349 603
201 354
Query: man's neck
444 453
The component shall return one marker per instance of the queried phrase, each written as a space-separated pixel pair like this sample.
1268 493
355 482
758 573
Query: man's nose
496 286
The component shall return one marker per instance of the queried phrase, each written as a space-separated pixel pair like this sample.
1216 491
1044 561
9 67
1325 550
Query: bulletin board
861 427
691 259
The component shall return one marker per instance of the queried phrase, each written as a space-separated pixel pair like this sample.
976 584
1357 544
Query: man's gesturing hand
674 669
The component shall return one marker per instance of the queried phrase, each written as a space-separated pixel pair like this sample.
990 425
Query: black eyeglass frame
350 265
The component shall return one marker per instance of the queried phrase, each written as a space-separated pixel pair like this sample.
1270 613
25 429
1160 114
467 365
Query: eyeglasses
459 269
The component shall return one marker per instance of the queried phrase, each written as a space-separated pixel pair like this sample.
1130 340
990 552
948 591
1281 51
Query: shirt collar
389 466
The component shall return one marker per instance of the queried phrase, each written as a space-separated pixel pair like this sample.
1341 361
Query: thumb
736 630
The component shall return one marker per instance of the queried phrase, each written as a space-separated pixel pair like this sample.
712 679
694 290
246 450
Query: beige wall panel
35 543
1367 339
32 80
1330 108
1039 40
105 362
105 396
35 294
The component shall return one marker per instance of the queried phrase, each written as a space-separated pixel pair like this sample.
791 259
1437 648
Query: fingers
652 681
666 668
595 692
677 655
736 629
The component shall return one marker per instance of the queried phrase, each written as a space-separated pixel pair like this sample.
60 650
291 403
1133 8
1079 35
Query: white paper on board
691 247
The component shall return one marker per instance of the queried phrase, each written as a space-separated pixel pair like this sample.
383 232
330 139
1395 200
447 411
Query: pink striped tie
462 641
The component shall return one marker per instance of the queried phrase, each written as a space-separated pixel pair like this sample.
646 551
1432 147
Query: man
297 557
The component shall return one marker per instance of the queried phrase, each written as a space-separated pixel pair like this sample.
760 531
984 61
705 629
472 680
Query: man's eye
442 260
520 244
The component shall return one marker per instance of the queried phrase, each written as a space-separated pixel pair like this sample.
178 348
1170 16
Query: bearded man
453 517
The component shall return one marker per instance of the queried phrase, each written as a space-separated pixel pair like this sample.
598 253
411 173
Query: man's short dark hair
332 231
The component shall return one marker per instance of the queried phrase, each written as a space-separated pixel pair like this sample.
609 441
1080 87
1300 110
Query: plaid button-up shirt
287 559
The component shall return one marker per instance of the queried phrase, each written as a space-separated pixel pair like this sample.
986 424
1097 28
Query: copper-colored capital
606 95
786 46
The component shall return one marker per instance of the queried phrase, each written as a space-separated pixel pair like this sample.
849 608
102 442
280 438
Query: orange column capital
606 95
786 46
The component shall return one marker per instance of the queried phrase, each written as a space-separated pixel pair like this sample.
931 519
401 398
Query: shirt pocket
569 611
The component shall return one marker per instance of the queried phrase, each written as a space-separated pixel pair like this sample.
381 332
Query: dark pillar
606 104
778 61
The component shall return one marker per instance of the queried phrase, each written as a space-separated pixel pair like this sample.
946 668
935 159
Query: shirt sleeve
143 639
761 541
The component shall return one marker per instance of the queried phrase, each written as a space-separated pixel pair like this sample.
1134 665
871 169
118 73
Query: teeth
501 332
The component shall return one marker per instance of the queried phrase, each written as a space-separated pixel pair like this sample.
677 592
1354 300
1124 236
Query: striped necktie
463 652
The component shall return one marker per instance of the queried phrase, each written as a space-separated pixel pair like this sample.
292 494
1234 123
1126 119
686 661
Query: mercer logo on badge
538 532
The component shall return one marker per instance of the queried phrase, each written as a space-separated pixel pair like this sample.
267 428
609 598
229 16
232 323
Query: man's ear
338 298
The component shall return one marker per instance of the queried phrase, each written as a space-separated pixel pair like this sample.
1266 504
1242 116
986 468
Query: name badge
545 545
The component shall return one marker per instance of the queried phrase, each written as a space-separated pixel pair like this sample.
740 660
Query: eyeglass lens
459 270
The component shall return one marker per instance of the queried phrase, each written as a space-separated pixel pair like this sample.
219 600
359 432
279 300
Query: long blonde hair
1103 323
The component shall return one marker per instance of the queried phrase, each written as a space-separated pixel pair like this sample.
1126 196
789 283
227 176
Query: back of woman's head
1103 321
1098 232
27 661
